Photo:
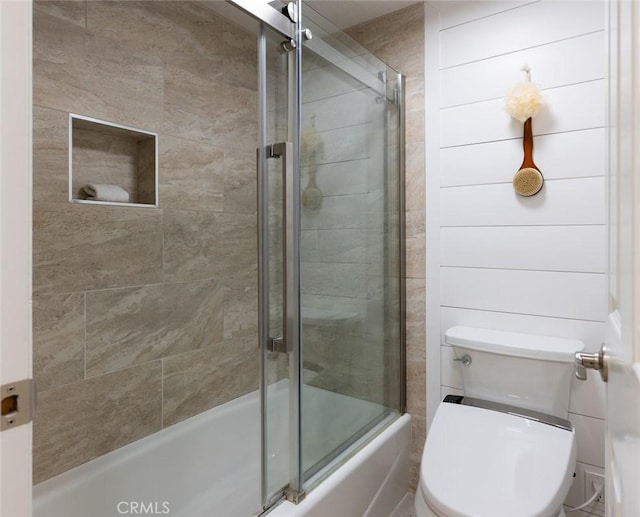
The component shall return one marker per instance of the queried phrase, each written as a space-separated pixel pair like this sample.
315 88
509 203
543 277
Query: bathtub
209 466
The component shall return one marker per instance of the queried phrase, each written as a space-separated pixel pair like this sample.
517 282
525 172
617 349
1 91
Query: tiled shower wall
398 39
141 313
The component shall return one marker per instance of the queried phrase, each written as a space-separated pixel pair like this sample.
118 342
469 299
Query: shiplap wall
535 265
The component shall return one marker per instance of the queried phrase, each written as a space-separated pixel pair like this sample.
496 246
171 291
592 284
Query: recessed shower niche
112 164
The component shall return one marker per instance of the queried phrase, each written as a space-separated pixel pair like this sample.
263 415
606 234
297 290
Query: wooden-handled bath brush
523 102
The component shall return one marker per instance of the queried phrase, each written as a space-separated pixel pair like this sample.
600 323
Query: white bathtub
209 466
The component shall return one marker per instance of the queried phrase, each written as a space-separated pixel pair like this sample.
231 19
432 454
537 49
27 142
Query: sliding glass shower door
329 241
350 245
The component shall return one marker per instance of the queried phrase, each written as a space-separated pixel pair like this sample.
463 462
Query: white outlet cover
589 479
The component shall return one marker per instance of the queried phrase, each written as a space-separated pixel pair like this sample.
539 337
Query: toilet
505 448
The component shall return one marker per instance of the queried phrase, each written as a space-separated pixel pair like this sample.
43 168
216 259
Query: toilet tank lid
516 344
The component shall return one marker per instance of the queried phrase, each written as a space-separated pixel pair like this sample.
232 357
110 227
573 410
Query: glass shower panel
350 244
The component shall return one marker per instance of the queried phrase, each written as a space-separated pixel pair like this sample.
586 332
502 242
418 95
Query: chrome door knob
597 361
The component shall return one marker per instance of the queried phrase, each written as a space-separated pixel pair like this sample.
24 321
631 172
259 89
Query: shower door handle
284 343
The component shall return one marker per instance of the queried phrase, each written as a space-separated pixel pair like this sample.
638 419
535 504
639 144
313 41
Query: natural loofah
524 101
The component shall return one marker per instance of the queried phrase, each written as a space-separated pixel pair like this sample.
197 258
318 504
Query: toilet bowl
505 449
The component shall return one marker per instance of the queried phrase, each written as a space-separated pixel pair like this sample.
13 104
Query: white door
623 330
15 245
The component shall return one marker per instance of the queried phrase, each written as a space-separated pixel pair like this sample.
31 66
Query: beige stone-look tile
139 324
115 409
238 117
200 244
414 476
193 105
147 168
418 438
210 110
191 175
415 171
395 38
82 73
83 247
241 311
415 312
74 11
205 378
416 387
240 184
50 155
415 93
181 33
414 130
58 339
240 57
415 244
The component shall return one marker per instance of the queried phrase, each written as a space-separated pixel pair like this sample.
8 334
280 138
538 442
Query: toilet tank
522 370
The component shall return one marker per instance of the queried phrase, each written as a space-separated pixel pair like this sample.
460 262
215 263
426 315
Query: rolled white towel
98 192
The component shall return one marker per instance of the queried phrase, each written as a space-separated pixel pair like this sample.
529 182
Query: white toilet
505 449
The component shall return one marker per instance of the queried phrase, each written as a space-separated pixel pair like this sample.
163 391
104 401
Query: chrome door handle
597 361
284 343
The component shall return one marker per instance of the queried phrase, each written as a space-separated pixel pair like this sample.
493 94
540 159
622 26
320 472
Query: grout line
590 464
85 333
510 182
524 225
489 15
161 393
334 95
519 225
586 416
495 268
567 85
522 49
521 314
520 137
137 286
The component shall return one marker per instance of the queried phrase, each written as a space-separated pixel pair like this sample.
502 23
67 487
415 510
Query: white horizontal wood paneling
555 248
543 293
447 390
561 202
561 63
451 374
454 12
590 439
517 29
589 332
578 495
563 155
588 397
533 265
568 108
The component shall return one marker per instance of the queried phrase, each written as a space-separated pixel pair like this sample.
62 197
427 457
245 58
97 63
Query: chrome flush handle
465 360
597 361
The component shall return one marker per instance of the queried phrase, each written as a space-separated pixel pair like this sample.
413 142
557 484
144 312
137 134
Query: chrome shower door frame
288 153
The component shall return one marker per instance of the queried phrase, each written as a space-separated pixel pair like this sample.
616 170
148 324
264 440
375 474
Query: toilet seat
483 463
